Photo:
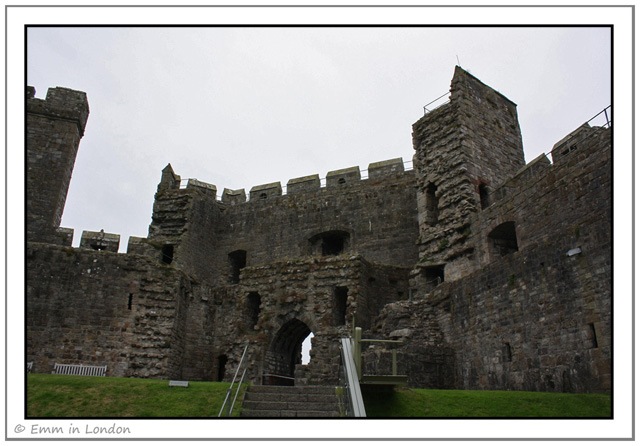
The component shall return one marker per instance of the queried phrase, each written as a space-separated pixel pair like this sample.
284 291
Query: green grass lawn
60 396
406 402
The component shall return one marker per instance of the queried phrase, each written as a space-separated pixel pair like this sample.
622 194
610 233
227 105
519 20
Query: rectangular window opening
506 352
340 294
591 334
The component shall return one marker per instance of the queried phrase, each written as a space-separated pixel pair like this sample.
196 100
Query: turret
463 149
55 126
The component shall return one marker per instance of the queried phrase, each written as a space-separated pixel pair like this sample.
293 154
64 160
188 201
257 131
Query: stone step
290 405
292 397
290 402
288 414
294 389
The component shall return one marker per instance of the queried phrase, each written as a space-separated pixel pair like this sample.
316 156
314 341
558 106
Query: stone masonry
497 274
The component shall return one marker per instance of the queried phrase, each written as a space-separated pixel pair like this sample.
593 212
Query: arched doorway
285 353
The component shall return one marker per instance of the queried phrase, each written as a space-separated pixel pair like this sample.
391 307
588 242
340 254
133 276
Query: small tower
55 126
463 150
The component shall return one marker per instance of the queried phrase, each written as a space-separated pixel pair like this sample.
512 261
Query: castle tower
55 126
463 150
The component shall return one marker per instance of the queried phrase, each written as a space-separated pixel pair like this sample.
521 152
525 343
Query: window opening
167 254
483 190
433 276
340 294
263 195
591 336
506 352
503 240
237 261
332 245
329 243
222 364
130 301
253 309
432 204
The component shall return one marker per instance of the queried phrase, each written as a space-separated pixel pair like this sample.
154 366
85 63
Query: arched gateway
284 353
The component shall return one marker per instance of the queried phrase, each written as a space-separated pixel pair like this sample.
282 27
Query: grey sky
239 107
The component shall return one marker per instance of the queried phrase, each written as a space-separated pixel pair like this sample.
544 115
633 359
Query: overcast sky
240 107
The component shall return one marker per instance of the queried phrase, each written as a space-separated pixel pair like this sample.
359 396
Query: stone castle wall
98 307
538 318
466 258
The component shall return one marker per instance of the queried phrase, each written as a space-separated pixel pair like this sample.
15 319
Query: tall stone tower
55 126
463 150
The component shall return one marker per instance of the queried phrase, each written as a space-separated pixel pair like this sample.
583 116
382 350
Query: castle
495 274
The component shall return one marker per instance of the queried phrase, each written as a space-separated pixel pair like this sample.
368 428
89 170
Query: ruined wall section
185 227
425 357
103 308
537 318
307 290
381 285
462 150
55 126
327 294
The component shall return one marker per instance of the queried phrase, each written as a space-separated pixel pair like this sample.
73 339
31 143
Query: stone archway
285 353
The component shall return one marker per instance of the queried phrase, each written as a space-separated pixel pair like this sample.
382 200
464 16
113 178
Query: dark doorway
237 261
483 190
433 276
340 305
167 254
253 309
222 364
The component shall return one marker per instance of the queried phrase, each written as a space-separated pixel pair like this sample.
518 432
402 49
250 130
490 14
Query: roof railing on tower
426 107
604 118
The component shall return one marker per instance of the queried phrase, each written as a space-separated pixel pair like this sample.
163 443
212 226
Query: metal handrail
426 110
357 341
352 383
608 120
226 398
278 376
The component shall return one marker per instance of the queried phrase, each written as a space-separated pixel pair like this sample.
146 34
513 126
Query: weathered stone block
309 183
343 176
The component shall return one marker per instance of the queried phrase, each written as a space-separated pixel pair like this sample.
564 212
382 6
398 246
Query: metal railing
239 386
427 110
358 351
353 403
267 381
608 118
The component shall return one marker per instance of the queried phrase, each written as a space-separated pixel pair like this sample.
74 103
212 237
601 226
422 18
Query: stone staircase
290 402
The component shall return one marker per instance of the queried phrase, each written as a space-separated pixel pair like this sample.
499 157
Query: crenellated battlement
60 103
105 241
100 241
307 184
